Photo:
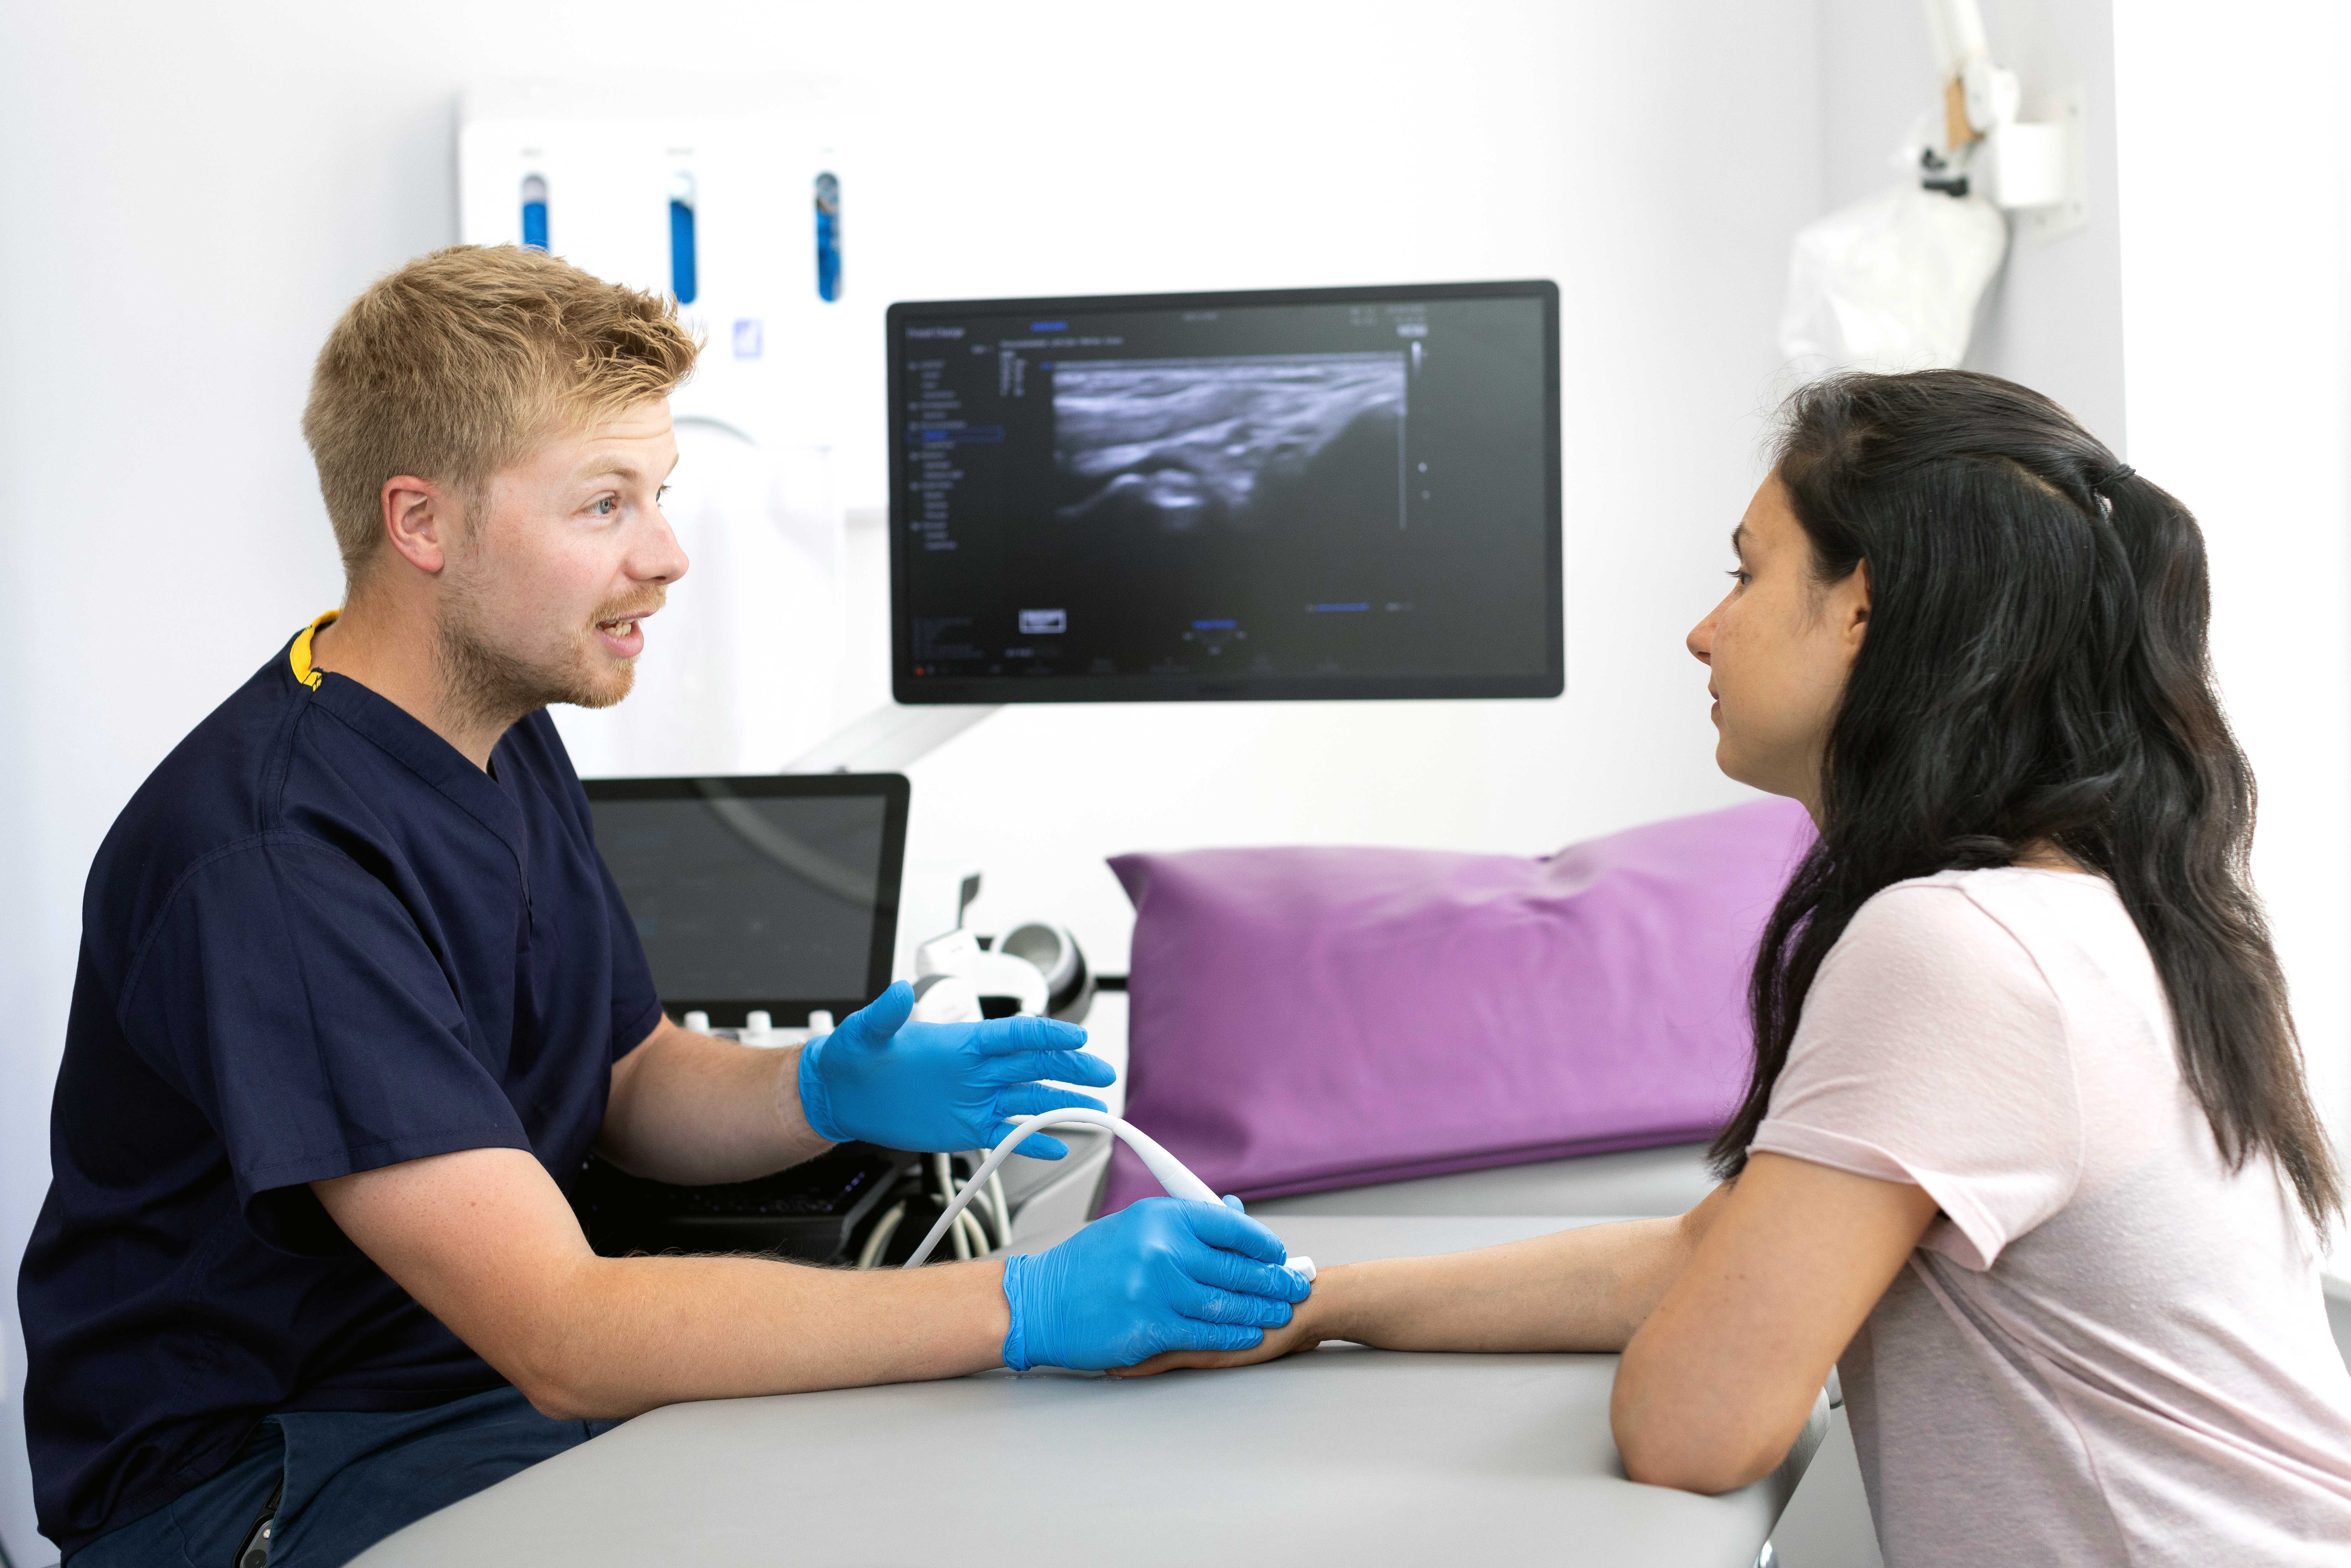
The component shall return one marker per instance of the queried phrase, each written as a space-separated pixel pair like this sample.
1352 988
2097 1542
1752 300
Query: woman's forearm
1589 1289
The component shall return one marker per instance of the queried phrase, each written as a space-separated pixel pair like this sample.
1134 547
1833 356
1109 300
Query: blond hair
456 364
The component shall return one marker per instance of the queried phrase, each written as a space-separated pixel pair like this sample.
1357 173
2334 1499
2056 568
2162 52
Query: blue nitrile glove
940 1087
1166 1274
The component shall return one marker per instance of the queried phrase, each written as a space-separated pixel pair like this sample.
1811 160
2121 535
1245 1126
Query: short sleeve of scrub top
293 998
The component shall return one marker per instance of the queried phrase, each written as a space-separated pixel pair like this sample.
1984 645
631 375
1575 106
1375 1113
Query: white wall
2053 318
2233 160
193 191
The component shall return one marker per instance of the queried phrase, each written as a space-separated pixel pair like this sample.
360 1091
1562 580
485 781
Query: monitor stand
891 737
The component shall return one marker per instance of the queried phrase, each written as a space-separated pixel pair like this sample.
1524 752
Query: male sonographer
357 996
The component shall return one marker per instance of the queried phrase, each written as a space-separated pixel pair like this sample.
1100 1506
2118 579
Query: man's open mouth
623 634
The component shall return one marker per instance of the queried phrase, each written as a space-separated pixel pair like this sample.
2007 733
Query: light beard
494 688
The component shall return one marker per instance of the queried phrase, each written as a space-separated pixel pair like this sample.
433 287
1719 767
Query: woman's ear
1856 610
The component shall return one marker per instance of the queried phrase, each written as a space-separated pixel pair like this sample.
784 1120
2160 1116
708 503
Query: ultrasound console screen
1334 493
772 892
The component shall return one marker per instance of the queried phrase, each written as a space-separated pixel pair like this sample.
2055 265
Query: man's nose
662 558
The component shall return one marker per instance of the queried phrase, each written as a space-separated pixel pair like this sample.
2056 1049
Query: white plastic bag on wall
1891 283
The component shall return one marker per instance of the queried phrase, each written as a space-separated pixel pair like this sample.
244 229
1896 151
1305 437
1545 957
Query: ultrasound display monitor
777 893
1322 493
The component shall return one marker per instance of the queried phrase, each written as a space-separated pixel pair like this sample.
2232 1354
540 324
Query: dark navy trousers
351 1479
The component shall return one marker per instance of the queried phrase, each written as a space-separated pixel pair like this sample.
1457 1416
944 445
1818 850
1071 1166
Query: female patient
2027 1154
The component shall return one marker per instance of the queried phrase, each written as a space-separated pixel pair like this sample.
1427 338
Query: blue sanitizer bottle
828 238
681 237
534 212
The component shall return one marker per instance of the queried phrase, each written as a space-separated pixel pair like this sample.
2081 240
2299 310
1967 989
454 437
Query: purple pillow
1304 1018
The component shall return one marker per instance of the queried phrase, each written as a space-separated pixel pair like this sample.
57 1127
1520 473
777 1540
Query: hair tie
2122 473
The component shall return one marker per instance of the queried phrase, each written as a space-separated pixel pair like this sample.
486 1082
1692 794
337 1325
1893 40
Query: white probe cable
943 1175
1003 1208
970 1235
999 1208
989 1213
1170 1171
869 1256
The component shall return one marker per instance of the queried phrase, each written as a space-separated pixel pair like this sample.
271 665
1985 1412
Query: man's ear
419 520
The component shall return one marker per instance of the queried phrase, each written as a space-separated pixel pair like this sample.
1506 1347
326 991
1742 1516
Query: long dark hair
2034 671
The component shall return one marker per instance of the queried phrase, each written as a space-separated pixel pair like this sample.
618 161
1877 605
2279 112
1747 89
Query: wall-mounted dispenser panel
724 193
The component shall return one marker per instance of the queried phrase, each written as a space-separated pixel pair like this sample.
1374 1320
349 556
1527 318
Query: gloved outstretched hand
1164 1274
939 1087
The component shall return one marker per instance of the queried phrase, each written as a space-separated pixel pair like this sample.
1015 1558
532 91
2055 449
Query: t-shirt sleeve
295 999
636 1002
1932 1050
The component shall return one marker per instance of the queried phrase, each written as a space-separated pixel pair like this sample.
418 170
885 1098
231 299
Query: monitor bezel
932 691
896 795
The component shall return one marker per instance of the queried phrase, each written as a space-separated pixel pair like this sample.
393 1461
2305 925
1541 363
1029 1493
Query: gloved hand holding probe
940 1087
1164 1274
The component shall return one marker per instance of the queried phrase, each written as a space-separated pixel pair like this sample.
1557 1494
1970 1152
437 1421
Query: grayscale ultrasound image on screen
1239 442
741 897
1228 496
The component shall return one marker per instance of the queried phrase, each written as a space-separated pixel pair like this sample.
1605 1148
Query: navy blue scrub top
319 940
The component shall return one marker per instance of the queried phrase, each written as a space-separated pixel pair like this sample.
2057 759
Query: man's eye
604 505
661 495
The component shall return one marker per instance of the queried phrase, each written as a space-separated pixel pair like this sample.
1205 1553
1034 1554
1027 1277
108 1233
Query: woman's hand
1309 1325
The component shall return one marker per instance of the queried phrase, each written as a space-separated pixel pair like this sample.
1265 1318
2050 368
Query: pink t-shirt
2107 1348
